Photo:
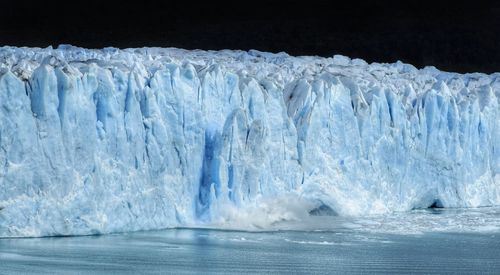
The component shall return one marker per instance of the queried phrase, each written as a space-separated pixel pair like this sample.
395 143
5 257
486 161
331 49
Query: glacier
97 141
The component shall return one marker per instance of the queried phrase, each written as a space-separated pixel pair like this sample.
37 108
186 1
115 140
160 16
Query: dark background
453 36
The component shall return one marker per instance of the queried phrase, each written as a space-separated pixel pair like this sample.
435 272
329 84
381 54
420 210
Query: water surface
353 246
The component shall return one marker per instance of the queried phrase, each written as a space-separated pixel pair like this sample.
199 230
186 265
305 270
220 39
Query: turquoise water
340 250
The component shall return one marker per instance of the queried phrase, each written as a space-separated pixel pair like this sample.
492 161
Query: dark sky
454 36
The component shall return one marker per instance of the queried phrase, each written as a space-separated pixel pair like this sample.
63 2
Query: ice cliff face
97 141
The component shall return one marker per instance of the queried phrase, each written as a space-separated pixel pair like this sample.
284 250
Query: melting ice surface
101 141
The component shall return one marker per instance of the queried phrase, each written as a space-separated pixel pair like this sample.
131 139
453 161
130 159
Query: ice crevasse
100 141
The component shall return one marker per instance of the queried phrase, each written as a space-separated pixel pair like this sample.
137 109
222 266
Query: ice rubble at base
99 141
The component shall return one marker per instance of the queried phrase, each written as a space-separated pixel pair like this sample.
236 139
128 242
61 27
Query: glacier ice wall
98 141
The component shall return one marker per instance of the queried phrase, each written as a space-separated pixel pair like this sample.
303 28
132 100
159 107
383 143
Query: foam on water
471 220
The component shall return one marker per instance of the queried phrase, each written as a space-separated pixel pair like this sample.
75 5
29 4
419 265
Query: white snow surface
101 141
